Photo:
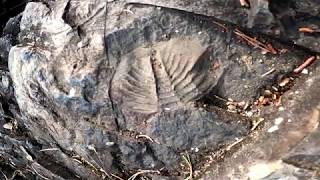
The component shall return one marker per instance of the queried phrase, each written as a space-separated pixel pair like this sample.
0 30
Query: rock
5 46
290 152
8 39
9 9
306 154
81 97
109 89
259 13
293 15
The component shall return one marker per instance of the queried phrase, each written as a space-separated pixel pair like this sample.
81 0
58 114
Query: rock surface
80 98
108 89
292 149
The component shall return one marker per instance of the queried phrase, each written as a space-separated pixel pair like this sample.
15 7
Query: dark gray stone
110 88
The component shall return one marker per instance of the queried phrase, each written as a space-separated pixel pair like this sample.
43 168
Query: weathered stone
292 150
81 98
306 154
8 39
107 88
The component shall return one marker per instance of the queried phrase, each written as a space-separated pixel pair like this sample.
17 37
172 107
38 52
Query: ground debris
308 30
265 48
306 63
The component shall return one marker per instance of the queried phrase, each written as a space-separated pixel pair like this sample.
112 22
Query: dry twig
221 25
308 30
117 177
268 72
134 176
307 63
144 136
234 143
256 123
255 43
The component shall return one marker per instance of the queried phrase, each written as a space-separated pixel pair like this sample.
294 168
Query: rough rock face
89 91
289 151
107 88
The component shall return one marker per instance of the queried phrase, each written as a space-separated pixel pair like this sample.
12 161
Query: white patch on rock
32 15
261 170
305 71
8 126
273 129
278 120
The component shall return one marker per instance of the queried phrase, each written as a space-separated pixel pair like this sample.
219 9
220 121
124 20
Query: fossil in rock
165 76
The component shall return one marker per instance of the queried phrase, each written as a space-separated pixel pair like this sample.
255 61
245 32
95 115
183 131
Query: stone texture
73 95
110 88
289 152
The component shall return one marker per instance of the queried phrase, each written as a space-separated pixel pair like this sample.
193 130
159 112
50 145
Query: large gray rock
112 87
89 90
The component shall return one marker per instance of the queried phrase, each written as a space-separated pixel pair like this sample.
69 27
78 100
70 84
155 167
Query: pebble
8 126
305 71
278 120
5 82
273 129
110 143
196 149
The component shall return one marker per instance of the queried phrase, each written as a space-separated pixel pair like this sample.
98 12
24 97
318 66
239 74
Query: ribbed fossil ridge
164 76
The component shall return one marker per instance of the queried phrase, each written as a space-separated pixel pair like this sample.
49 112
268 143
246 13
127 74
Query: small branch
117 177
144 136
268 72
255 43
308 30
234 143
307 63
134 176
220 25
256 123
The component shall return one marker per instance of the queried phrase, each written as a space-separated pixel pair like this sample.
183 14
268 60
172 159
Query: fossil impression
164 76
